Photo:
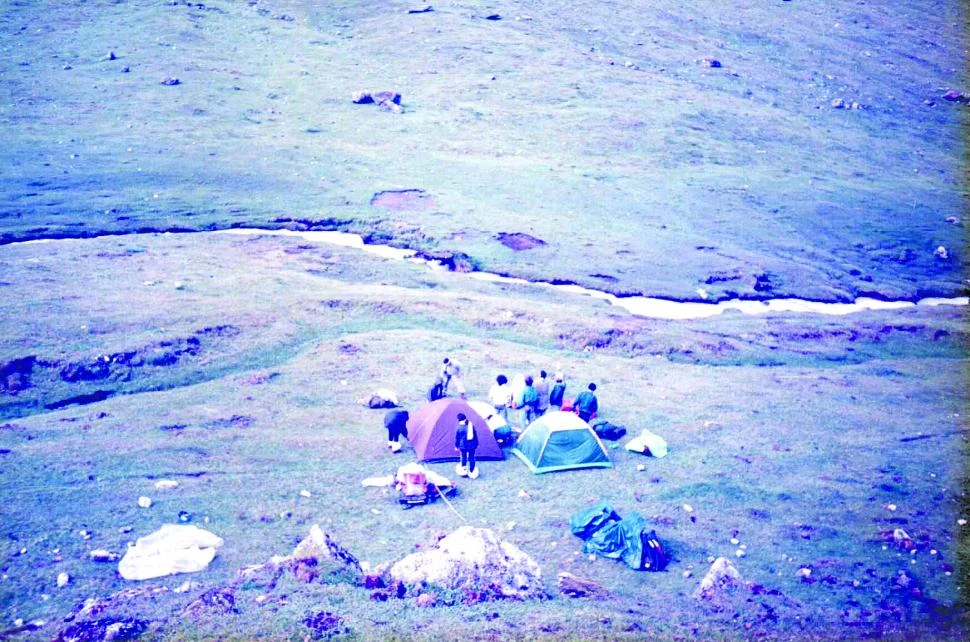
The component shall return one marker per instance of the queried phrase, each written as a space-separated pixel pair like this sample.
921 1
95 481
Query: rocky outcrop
474 563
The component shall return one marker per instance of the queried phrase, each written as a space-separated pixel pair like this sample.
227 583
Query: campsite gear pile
605 533
417 485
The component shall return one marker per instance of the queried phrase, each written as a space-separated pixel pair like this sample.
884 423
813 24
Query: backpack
611 432
654 558
437 391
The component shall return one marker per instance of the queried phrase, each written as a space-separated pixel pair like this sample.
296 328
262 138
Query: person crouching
466 441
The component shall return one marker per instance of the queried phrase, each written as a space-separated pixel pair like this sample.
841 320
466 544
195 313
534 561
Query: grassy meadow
589 143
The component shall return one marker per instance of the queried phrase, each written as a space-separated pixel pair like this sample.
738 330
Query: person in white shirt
500 396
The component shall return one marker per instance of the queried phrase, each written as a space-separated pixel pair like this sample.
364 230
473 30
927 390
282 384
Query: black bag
655 558
608 431
437 391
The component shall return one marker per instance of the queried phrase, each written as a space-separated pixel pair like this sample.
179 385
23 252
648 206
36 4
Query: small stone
933 551
803 572
362 98
494 16
101 555
955 96
111 56
305 493
85 534
735 541
708 61
425 9
166 484
185 516
962 522
891 507
145 502
838 103
125 70
941 253
740 553
710 558
67 67
169 81
63 579
523 494
186 586
687 574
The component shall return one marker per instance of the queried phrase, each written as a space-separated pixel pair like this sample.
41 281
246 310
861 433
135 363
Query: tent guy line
641 306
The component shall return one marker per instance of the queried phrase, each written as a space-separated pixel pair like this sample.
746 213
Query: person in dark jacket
466 441
396 422
585 404
530 401
557 393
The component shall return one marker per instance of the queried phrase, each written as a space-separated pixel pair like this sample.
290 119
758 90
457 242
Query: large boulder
174 548
472 561
320 556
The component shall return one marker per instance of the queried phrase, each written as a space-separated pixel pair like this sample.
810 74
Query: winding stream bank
642 306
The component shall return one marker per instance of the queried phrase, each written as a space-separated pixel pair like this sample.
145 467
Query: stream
641 306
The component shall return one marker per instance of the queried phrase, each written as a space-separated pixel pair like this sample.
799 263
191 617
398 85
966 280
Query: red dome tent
431 431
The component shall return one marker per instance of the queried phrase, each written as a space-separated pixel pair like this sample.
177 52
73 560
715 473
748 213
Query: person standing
558 392
542 387
466 442
586 404
530 401
500 396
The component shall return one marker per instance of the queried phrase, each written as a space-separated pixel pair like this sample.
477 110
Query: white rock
962 522
803 572
735 541
101 555
63 579
891 506
721 575
174 548
641 467
473 558
166 484
186 586
688 573
688 508
145 502
523 494
941 253
304 493
740 553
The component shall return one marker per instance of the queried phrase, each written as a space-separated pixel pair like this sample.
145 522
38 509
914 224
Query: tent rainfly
431 431
560 441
